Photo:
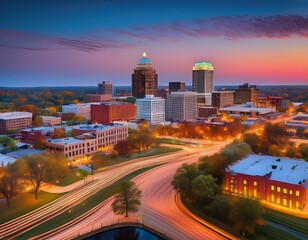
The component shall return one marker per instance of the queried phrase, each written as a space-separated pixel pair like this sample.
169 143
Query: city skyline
71 43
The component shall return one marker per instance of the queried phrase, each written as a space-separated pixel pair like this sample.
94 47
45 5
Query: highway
159 209
28 221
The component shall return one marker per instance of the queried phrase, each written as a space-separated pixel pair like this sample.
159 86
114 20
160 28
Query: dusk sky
83 42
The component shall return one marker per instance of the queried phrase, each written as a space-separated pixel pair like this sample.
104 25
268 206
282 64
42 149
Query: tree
8 143
274 150
127 199
10 178
182 180
253 140
35 170
56 167
204 188
40 143
246 215
122 148
303 150
59 133
38 122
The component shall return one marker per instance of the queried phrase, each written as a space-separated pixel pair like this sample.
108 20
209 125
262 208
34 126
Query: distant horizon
162 85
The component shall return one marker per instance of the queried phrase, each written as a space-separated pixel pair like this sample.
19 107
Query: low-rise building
87 139
246 109
246 93
151 109
51 120
107 112
98 98
83 109
266 102
221 99
15 121
277 180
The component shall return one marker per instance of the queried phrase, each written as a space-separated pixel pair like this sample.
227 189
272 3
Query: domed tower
144 78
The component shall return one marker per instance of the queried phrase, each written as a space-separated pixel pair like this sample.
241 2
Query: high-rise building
246 93
202 77
151 109
221 99
144 78
177 87
104 88
181 106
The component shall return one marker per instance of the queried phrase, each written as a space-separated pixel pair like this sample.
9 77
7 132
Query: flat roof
5 160
94 127
247 109
21 152
65 141
12 115
293 171
52 117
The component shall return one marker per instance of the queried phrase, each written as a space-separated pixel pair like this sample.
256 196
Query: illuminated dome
144 60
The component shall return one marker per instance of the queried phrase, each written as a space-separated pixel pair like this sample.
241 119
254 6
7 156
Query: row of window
285 191
285 201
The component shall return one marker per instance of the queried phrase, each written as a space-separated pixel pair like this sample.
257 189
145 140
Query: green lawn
81 208
269 232
72 178
263 232
147 153
292 222
24 203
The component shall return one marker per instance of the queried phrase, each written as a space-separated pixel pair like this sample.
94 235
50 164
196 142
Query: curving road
159 209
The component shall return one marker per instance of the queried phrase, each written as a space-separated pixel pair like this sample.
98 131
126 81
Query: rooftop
247 108
5 160
203 66
65 141
144 60
93 127
13 115
292 171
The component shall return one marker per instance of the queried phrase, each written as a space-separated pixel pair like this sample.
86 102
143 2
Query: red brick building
98 98
268 102
108 112
277 180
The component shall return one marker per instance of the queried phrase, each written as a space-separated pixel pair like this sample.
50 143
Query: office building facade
177 87
181 106
202 77
15 121
151 109
144 78
246 93
104 88
221 99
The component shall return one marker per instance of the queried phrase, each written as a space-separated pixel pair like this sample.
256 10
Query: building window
278 189
272 188
297 204
291 192
284 190
297 193
255 183
255 192
290 203
245 181
285 203
245 191
278 200
272 198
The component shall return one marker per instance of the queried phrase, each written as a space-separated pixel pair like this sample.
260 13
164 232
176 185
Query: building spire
144 54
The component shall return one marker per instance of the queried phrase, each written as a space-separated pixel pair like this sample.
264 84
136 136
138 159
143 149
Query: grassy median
24 203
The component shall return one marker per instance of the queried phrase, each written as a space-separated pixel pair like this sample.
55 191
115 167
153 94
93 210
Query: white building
151 109
83 109
51 120
181 106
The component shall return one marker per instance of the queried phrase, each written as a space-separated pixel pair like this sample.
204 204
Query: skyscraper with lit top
203 81
144 78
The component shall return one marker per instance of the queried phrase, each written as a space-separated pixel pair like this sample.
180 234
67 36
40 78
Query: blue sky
83 42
